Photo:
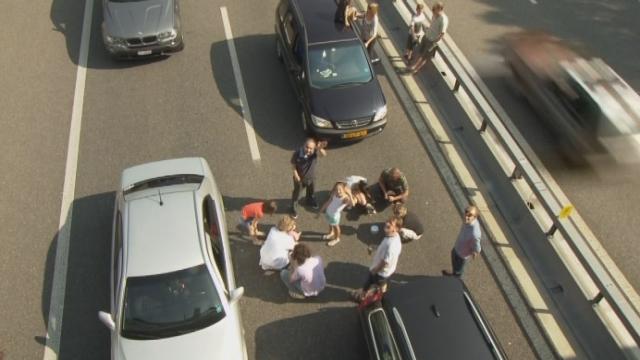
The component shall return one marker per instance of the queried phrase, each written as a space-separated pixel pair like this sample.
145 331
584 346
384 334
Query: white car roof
135 174
162 238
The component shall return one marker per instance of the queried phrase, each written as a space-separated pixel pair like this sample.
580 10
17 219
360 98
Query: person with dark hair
306 277
412 228
304 161
251 215
385 259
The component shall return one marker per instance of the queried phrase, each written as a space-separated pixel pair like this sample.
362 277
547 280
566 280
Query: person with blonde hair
346 13
274 253
412 228
370 26
340 198
416 30
431 38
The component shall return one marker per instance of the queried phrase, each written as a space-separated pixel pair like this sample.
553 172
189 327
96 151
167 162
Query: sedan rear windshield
170 304
338 64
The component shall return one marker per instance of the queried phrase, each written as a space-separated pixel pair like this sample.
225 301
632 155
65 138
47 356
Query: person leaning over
274 253
370 27
304 161
433 35
385 259
393 185
467 246
251 215
306 277
412 228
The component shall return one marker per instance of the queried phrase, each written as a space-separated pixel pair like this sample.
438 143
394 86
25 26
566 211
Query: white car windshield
338 64
170 304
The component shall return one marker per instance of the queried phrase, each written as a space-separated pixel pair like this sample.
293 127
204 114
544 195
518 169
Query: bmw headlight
380 114
112 40
320 122
168 35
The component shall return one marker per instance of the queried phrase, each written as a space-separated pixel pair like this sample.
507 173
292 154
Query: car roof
454 334
162 238
318 19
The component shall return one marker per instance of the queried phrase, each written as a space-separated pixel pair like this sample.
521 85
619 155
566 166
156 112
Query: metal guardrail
521 168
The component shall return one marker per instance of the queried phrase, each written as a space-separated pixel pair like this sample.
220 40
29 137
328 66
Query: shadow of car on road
87 279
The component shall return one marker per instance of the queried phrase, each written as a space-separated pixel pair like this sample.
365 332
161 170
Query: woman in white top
340 198
416 31
306 276
370 26
274 253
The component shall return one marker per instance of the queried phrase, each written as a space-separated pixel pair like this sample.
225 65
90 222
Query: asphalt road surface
187 105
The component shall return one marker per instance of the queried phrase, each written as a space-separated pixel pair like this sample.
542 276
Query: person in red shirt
252 213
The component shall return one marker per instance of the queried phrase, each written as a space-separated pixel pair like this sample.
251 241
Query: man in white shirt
433 35
386 258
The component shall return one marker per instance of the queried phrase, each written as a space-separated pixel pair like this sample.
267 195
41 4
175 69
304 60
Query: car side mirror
107 320
236 294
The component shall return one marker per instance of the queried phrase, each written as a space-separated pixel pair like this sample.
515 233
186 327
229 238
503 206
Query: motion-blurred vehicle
136 28
584 102
428 318
331 73
173 292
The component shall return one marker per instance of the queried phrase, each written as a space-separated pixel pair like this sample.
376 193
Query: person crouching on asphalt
412 228
340 198
385 260
274 253
392 187
251 215
305 278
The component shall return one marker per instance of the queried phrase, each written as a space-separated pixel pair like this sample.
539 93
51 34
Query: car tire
278 50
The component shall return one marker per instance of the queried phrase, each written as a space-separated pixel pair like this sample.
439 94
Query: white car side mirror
236 294
107 320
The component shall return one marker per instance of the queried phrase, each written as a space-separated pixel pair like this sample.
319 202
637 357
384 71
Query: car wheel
278 50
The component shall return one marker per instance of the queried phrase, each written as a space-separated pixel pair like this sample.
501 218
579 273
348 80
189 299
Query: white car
173 293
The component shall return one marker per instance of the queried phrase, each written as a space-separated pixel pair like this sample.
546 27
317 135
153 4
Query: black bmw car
330 70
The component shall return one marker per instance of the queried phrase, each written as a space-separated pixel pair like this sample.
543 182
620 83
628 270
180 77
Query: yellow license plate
356 134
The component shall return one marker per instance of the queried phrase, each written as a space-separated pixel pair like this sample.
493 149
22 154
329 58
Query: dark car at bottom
428 318
330 70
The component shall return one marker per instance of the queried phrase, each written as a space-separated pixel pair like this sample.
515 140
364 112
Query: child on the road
251 215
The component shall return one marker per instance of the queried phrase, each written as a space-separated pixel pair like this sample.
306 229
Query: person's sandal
333 242
327 237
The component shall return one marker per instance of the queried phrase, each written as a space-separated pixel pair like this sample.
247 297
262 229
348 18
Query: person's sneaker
370 209
269 272
326 237
296 295
313 203
293 213
333 242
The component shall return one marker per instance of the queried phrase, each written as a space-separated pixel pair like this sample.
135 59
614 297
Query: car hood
345 103
223 340
138 18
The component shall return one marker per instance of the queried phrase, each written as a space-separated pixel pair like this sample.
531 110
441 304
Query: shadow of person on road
87 279
329 333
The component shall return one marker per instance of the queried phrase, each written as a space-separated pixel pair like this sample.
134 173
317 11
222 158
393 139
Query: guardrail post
483 127
552 230
517 173
456 85
597 299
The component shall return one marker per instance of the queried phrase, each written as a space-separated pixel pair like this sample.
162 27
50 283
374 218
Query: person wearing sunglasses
467 246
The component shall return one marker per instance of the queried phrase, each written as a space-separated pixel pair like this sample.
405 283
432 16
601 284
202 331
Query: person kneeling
306 277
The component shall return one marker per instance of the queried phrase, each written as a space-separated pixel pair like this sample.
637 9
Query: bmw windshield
338 64
170 304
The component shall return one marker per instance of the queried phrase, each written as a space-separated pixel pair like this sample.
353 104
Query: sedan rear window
338 64
170 304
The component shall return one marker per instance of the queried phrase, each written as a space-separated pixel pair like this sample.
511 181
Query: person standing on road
385 260
392 186
416 30
433 35
467 245
306 276
251 215
304 161
274 253
370 26
412 228
340 198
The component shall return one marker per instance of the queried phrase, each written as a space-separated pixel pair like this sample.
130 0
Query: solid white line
58 287
244 104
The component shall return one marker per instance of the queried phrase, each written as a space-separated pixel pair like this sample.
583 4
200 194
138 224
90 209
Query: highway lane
187 105
37 72
605 195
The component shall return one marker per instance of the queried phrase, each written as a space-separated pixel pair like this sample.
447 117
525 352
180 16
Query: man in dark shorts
304 161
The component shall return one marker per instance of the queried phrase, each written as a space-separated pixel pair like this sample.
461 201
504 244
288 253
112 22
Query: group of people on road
302 273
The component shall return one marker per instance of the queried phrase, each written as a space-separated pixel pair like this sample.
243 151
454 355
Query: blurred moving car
134 28
173 293
584 102
429 318
331 73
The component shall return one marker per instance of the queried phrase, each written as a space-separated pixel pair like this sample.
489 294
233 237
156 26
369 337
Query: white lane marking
244 104
58 286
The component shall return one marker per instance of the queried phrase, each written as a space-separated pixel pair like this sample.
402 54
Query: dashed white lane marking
244 104
58 286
